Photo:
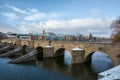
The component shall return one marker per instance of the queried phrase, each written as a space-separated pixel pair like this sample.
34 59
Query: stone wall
78 56
48 52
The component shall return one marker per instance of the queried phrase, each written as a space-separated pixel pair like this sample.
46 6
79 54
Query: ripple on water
27 72
47 69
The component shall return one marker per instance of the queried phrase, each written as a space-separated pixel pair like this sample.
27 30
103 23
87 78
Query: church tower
43 32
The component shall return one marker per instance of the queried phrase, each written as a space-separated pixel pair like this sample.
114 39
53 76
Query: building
70 38
11 35
50 36
23 36
2 35
60 37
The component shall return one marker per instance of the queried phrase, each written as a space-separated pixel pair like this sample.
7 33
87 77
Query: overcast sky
59 16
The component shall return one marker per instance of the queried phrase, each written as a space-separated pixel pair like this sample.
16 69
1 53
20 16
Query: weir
26 57
0 45
10 53
4 48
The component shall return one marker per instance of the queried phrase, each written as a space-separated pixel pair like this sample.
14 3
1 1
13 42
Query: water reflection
67 58
101 62
62 65
47 69
75 72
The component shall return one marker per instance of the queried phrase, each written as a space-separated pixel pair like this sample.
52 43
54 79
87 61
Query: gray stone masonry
48 52
78 56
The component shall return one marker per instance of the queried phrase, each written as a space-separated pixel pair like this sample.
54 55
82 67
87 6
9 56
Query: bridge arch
89 51
65 57
89 56
62 50
59 52
24 46
24 49
39 54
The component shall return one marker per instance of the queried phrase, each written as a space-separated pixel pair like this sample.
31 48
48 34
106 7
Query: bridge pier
78 56
48 51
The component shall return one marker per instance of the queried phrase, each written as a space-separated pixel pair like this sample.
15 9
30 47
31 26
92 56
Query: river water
46 69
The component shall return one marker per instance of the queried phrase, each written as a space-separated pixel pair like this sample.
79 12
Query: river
46 69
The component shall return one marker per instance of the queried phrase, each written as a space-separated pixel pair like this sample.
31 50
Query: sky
59 16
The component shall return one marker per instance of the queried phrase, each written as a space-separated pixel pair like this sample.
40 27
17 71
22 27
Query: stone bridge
113 50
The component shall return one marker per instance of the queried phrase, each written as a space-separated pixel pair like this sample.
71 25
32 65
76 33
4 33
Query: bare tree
116 30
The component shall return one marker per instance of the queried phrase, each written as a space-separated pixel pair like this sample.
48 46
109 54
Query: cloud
54 15
84 26
10 15
32 20
92 30
4 27
30 14
37 16
16 9
33 10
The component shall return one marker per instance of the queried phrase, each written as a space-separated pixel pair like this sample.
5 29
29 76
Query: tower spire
43 31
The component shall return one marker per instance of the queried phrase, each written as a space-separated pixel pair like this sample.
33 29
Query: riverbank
111 74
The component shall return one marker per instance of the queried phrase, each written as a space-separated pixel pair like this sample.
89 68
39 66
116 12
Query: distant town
52 36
